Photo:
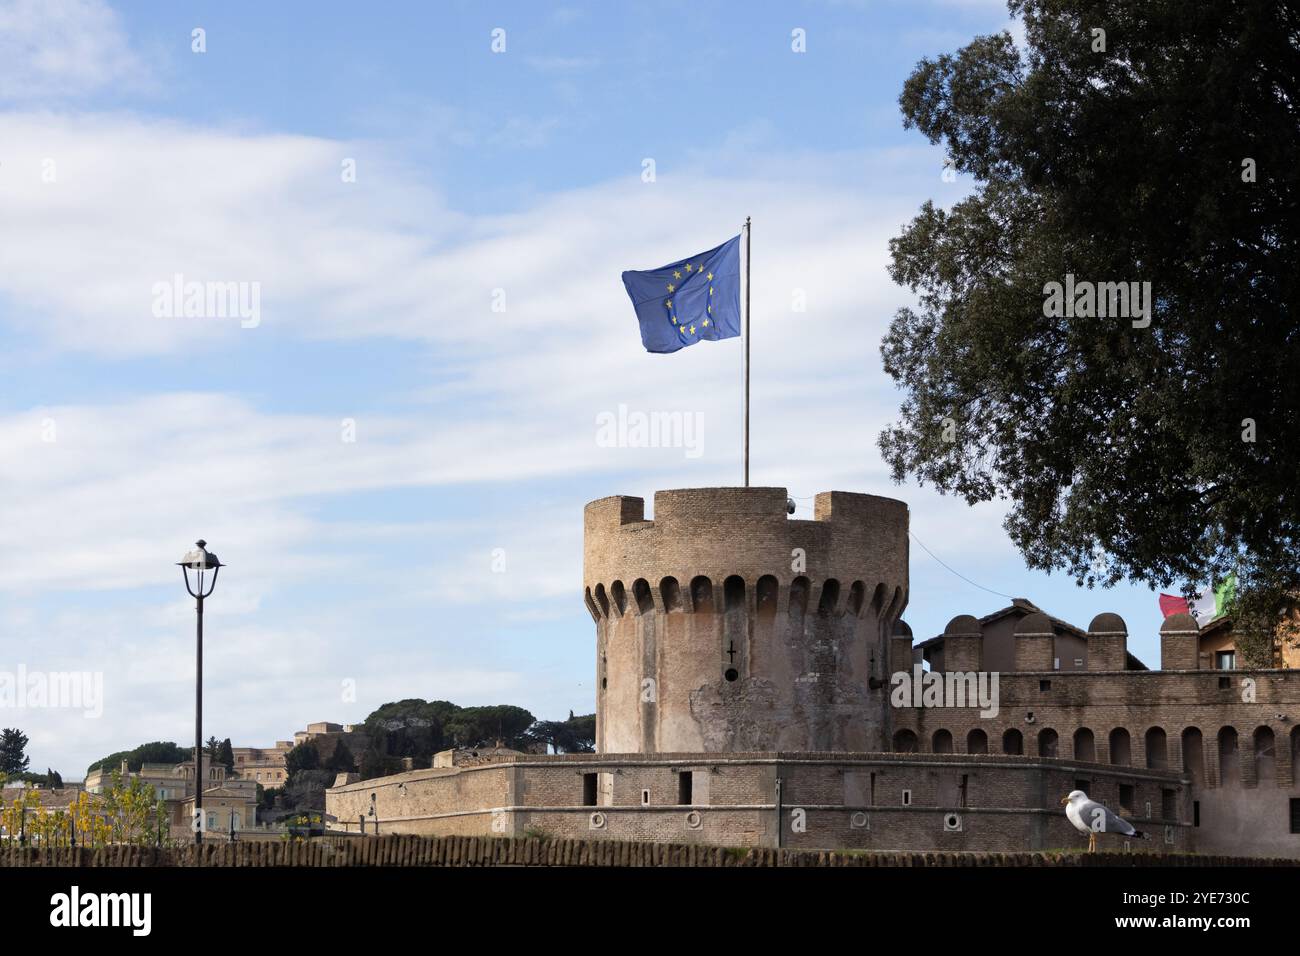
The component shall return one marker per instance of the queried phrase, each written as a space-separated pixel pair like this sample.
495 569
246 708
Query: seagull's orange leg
1092 842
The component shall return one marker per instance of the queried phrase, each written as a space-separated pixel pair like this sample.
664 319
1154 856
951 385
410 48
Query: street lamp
199 568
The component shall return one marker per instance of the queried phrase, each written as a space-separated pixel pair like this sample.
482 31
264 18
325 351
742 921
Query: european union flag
683 302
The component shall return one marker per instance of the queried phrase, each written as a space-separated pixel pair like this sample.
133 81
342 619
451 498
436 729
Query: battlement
718 533
687 505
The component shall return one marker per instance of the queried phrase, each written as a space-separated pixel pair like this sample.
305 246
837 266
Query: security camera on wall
789 506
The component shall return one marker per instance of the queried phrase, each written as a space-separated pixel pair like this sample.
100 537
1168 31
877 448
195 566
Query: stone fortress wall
744 663
1233 735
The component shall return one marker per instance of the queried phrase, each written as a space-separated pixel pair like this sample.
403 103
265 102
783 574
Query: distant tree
13 751
226 756
303 757
375 763
113 761
582 731
54 780
483 726
411 728
156 752
575 735
341 759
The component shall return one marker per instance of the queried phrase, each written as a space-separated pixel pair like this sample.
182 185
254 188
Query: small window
1044 685
1126 796
1295 815
1225 683
684 781
1169 804
588 789
1084 785
645 798
1196 812
907 798
1225 660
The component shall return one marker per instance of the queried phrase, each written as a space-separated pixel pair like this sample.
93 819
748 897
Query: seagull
1090 817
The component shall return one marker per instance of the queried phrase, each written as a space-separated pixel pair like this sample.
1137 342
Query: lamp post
199 568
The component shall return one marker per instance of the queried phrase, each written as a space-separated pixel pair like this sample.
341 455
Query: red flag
1171 604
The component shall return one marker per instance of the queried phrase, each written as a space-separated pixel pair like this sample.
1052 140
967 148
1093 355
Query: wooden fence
401 850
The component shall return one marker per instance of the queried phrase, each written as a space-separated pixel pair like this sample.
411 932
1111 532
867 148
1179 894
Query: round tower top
718 532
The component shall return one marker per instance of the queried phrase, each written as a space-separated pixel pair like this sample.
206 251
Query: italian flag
1206 606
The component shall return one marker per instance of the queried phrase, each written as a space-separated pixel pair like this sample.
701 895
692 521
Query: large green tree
484 726
1161 149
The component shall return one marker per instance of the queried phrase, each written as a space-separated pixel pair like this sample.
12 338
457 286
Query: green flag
1224 594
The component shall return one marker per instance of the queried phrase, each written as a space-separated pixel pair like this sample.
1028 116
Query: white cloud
138 201
129 483
63 48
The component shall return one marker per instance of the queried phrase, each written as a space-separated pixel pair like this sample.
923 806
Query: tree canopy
575 735
158 751
1162 150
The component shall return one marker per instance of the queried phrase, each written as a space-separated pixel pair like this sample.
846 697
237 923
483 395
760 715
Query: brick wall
827 800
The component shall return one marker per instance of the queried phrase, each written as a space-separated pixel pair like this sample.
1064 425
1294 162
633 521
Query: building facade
750 691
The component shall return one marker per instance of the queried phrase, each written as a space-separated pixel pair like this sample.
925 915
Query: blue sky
481 177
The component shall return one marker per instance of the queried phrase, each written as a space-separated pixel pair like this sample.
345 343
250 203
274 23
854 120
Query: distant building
327 736
1218 644
998 642
224 799
264 765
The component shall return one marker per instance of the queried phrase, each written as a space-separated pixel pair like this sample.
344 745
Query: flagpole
745 331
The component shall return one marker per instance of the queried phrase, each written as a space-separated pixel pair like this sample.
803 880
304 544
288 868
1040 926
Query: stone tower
723 625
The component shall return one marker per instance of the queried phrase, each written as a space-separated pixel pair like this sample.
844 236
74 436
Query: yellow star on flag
671 287
688 267
669 303
676 274
706 323
710 276
692 330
